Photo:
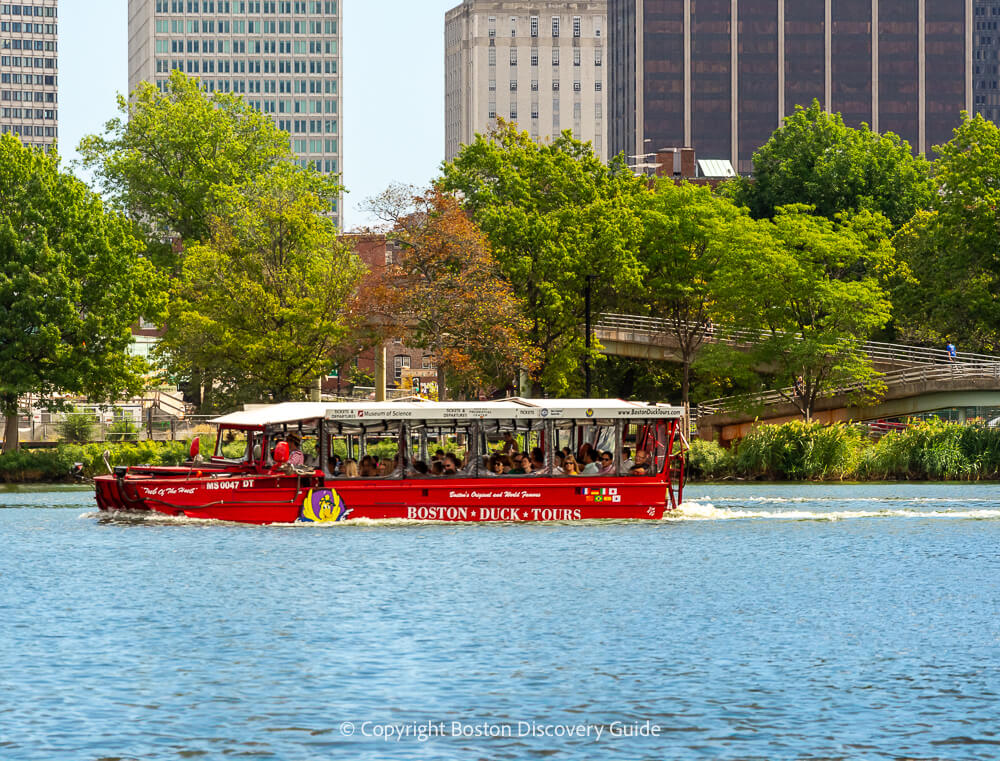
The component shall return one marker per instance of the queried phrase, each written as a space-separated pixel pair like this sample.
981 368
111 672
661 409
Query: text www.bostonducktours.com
429 730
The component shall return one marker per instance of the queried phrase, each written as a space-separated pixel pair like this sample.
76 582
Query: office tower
281 56
987 58
721 75
540 64
29 70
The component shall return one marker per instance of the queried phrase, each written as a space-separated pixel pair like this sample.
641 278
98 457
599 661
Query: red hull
268 498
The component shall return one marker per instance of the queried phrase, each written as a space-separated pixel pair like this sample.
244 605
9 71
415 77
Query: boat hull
279 498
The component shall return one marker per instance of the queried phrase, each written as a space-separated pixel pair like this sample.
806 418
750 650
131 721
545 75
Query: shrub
707 459
77 426
800 451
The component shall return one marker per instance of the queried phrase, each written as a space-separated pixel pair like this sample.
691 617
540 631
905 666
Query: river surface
767 622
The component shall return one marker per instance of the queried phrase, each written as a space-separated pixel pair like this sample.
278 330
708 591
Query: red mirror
195 447
281 452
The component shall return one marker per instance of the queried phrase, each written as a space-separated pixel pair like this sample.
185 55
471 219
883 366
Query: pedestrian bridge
627 335
918 379
916 390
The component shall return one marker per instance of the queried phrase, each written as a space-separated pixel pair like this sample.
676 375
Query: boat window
233 445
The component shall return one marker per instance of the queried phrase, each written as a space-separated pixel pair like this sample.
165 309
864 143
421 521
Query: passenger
507 464
520 461
452 458
509 444
438 455
437 468
421 468
350 469
559 468
495 466
450 466
368 468
607 464
537 461
296 457
627 462
641 466
570 466
590 466
334 464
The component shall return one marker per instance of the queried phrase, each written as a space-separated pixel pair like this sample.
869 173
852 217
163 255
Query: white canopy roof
448 413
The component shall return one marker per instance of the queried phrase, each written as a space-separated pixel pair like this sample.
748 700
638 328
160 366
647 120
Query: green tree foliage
554 215
262 305
953 248
688 236
817 289
814 158
72 283
160 159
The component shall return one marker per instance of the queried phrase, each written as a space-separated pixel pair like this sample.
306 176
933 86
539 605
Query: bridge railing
922 374
878 351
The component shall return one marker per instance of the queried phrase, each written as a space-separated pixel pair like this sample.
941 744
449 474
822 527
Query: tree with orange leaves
446 292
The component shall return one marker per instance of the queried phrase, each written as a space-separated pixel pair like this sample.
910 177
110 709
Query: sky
392 88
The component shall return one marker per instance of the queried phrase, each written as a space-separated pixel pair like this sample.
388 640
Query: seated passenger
570 466
559 469
296 457
627 461
452 458
450 466
421 467
495 466
537 461
349 469
590 467
607 464
334 464
642 465
437 468
522 465
438 455
368 467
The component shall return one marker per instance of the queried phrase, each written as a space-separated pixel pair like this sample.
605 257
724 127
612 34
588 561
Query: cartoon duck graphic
323 506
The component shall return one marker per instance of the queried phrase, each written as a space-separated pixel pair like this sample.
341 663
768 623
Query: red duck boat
508 460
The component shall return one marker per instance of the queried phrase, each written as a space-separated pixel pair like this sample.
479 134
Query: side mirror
281 453
195 447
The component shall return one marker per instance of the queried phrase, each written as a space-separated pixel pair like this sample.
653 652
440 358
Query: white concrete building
29 70
539 64
282 56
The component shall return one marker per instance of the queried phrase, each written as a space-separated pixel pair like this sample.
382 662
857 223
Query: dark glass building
987 55
720 75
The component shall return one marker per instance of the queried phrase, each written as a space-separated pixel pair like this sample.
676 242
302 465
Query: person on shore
952 352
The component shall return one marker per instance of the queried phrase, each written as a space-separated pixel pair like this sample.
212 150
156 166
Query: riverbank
930 451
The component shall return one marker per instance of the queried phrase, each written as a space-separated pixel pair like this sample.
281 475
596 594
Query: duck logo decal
323 506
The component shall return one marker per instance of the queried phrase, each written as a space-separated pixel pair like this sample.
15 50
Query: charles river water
765 622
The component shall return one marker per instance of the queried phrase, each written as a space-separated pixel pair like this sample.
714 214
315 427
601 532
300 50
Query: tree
814 158
554 215
73 281
953 247
160 160
687 235
817 289
447 292
263 304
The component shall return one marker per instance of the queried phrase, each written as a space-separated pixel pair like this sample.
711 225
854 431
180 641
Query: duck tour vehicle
508 460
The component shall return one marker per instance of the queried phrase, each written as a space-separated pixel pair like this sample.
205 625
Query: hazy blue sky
393 86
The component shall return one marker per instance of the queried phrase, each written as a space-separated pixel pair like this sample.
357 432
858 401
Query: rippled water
766 622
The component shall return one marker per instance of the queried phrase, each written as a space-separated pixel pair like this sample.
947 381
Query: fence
86 427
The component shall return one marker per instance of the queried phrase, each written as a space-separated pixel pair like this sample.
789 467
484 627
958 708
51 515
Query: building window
555 84
555 26
513 56
555 56
576 86
534 26
534 56
513 85
577 26
597 86
598 56
399 363
576 56
534 85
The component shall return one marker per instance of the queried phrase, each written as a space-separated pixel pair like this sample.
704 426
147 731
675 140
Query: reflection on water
761 621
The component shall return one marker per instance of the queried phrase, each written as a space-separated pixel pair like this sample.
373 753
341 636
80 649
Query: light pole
586 366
